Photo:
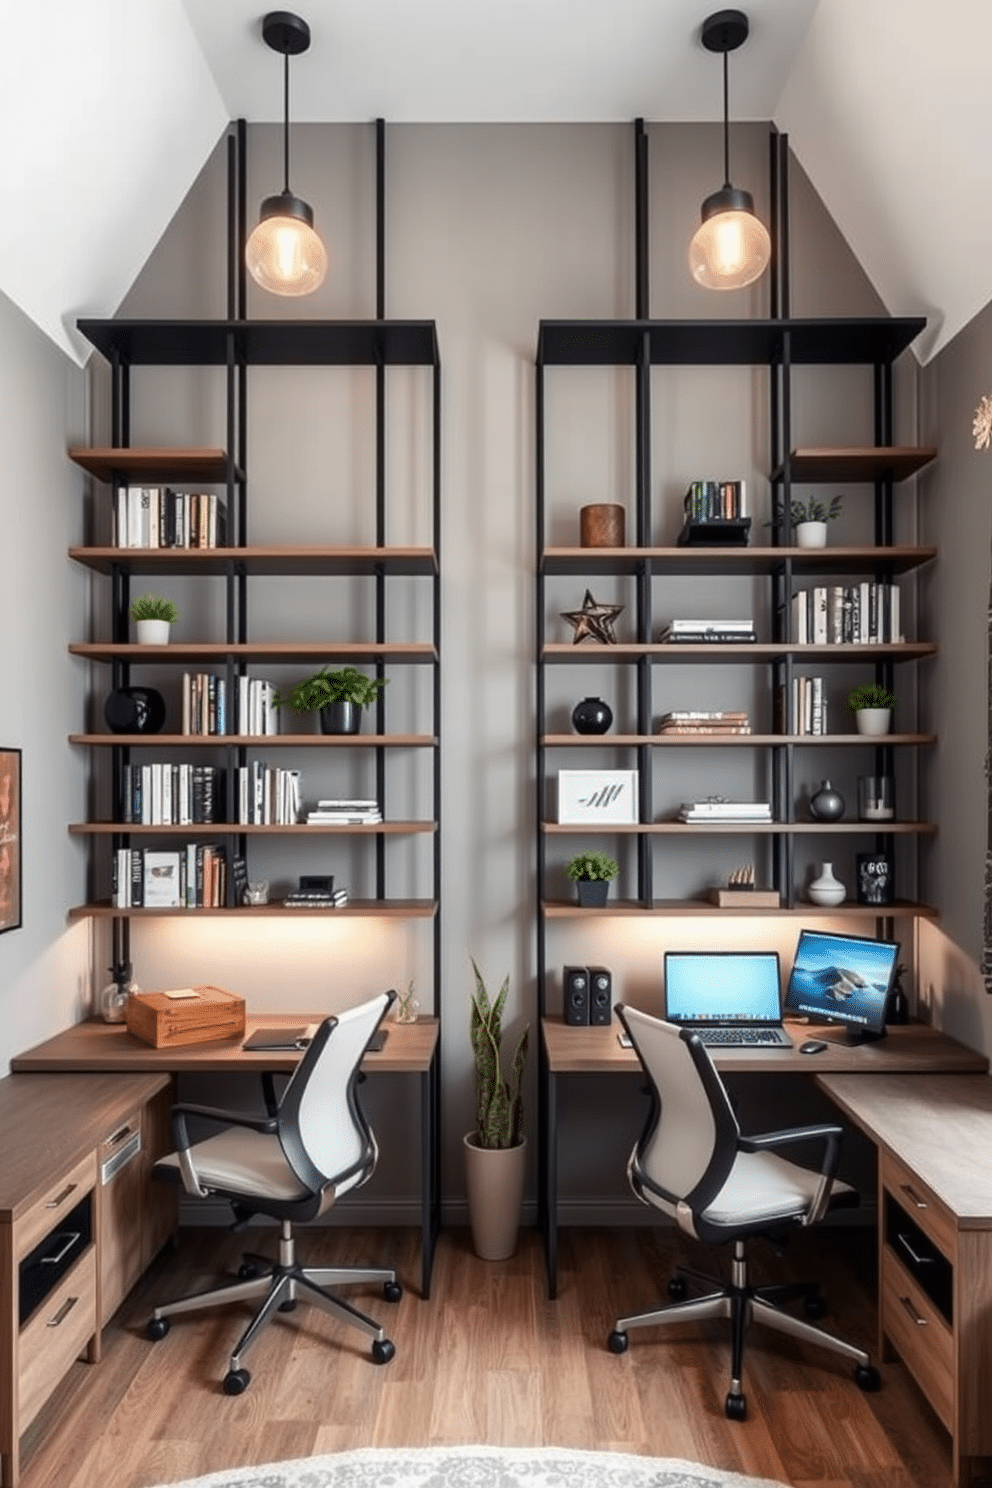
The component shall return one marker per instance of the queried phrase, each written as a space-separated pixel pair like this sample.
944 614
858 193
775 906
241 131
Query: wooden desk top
95 1045
913 1048
939 1126
47 1125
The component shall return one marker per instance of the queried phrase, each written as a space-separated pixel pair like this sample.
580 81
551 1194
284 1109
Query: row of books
158 517
720 721
804 710
686 632
267 795
356 813
715 501
191 877
718 809
206 710
164 795
846 614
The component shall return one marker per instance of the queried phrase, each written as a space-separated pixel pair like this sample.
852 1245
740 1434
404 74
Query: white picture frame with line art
598 798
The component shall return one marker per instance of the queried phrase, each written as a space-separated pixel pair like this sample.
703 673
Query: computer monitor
843 979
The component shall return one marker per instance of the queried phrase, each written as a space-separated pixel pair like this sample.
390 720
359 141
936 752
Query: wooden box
746 898
165 1020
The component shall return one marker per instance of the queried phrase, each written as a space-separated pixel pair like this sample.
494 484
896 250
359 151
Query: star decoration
594 620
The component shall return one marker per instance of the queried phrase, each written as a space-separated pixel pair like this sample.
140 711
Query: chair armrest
830 1135
179 1113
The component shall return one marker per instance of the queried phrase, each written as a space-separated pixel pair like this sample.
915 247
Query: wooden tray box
165 1022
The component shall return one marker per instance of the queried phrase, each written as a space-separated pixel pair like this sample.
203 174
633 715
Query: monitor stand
851 1034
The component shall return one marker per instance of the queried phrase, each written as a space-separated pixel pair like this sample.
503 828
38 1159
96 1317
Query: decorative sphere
826 804
592 716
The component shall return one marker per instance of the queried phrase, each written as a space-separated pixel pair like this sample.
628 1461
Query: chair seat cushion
241 1161
762 1188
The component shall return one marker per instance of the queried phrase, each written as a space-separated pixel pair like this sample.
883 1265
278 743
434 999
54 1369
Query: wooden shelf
217 652
256 741
288 562
725 741
253 829
865 464
742 829
153 465
691 908
710 651
392 909
733 562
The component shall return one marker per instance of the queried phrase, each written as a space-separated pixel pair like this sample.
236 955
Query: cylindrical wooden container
601 526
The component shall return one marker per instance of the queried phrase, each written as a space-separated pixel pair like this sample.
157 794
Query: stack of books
715 501
804 709
683 632
722 811
157 517
854 614
316 899
267 795
345 813
724 721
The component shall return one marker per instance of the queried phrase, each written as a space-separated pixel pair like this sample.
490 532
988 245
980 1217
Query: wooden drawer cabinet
136 1217
55 1336
920 1335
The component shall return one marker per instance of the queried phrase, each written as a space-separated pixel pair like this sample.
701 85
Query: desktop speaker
575 992
600 995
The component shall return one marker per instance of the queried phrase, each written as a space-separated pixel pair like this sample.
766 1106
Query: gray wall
45 965
489 229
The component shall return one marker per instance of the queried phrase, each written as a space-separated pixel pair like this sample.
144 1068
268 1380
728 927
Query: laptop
729 998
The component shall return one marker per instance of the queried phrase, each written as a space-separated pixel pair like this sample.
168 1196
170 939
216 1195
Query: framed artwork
874 878
597 797
10 839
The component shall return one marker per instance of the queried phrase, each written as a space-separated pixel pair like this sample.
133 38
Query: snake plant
499 1105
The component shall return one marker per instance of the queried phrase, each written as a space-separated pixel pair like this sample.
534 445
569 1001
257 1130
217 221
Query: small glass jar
876 797
114 996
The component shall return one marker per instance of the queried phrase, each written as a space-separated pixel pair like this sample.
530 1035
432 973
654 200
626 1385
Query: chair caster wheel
236 1381
157 1328
382 1351
248 1272
392 1291
735 1408
867 1377
617 1342
288 1306
677 1289
815 1307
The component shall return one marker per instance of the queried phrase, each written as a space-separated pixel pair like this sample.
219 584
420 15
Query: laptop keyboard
769 1037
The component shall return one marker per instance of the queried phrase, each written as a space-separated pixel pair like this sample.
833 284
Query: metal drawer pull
53 1260
120 1158
62 1313
913 1197
60 1198
119 1135
920 1322
918 1260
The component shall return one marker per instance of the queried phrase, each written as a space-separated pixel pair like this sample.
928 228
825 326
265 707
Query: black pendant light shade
284 254
731 247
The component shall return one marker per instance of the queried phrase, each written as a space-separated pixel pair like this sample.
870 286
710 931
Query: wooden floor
489 1360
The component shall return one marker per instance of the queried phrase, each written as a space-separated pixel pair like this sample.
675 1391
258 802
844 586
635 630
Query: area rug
477 1467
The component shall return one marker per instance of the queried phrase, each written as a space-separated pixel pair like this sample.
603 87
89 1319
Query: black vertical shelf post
642 506
380 484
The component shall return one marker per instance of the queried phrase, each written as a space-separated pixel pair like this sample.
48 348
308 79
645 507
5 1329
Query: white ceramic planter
826 889
811 535
152 632
873 720
494 1182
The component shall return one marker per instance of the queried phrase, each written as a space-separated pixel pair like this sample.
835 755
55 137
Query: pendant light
284 254
731 247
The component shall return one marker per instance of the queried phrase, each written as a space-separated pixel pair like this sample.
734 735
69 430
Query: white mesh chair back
322 1127
692 1127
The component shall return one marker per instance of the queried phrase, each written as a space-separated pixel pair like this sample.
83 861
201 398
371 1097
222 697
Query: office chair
693 1164
291 1165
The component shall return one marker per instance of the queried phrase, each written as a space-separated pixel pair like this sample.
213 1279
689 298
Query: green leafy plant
498 1101
348 685
870 695
812 510
592 867
153 607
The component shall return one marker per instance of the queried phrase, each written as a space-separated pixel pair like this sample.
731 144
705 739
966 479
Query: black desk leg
430 1171
550 1194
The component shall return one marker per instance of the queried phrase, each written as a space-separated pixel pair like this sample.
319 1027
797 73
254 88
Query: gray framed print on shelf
10 839
597 797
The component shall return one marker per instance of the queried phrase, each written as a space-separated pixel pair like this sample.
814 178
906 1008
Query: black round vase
134 710
592 716
826 804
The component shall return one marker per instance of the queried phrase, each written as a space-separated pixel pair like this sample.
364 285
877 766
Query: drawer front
56 1335
58 1201
921 1204
923 1340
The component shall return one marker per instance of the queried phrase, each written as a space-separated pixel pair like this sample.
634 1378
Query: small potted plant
872 705
338 697
809 520
152 616
496 1151
592 874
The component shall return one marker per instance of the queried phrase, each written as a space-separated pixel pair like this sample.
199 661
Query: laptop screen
842 979
722 987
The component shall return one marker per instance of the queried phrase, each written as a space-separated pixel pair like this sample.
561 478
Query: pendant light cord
285 120
726 120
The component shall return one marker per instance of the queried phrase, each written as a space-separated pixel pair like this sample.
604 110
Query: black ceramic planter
340 718
592 892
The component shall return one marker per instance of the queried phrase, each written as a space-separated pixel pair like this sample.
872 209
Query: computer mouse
812 1046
